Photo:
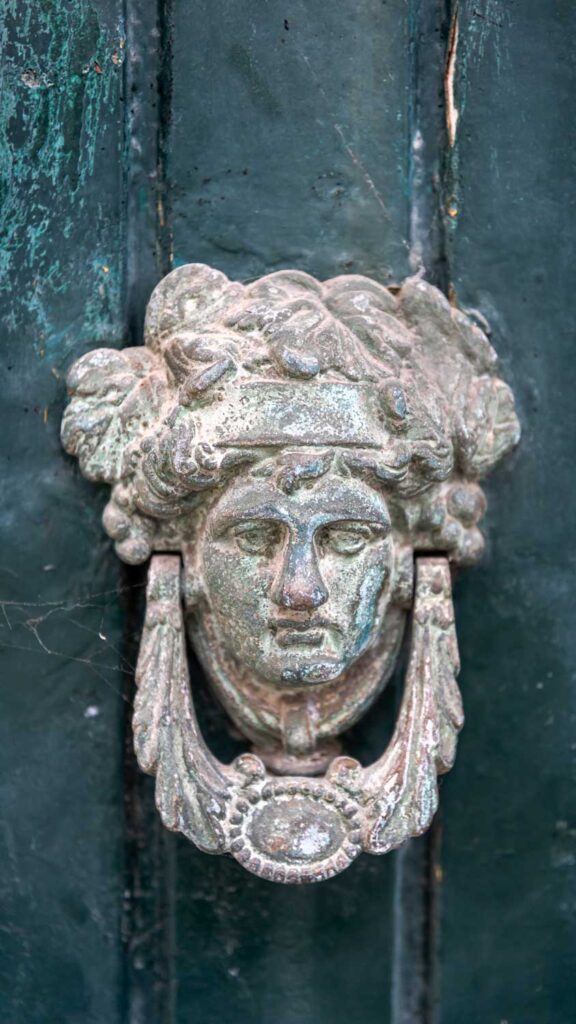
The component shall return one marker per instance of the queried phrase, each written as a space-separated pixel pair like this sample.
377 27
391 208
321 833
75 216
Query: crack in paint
452 113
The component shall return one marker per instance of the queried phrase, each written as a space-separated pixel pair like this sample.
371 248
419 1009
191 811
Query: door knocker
300 459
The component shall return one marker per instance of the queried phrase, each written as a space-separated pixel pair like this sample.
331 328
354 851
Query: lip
300 637
294 633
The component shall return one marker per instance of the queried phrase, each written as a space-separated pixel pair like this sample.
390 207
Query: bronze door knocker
301 460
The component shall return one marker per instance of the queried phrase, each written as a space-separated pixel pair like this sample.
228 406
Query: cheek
359 580
235 586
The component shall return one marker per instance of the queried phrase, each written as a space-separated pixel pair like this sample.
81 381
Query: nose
299 584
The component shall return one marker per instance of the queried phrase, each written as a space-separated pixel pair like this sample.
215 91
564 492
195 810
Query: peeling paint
59 96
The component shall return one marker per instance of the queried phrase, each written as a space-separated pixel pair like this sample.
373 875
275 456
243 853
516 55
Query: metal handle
295 443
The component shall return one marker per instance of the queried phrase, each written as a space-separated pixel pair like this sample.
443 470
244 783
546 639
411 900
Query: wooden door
381 137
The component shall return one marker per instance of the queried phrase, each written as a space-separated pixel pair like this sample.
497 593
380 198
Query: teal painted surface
508 898
62 72
61 817
257 137
290 137
289 147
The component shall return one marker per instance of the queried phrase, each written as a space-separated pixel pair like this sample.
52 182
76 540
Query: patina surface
296 443
297 829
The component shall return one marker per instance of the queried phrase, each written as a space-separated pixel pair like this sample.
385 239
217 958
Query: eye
345 538
257 537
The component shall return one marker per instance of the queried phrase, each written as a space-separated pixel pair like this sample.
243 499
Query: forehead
331 496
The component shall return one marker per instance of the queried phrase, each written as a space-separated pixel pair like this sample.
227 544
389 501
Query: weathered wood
148 968
287 137
61 629
289 147
289 143
508 935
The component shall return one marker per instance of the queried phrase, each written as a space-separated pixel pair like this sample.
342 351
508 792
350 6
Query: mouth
294 633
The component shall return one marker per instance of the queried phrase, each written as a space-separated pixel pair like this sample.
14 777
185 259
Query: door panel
63 671
142 134
508 811
288 147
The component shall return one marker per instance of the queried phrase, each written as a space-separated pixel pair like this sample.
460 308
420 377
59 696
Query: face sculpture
296 581
295 601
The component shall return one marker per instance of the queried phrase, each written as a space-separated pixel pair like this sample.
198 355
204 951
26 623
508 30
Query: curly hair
143 419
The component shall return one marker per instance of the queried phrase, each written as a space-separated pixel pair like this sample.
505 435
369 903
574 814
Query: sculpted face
296 583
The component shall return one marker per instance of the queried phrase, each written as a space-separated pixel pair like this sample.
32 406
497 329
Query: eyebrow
228 517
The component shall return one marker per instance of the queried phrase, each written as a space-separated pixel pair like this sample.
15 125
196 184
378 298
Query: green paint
61 770
61 80
508 898
294 152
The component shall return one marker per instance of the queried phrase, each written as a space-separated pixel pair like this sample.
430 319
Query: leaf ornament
114 397
403 783
190 787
